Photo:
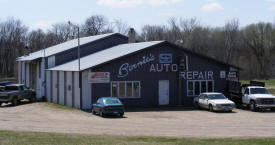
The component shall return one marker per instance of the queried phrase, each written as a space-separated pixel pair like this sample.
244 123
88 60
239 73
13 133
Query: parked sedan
214 102
108 105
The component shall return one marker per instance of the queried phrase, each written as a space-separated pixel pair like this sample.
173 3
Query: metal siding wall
27 74
90 48
61 88
86 91
54 86
76 90
69 92
19 72
38 82
43 77
48 85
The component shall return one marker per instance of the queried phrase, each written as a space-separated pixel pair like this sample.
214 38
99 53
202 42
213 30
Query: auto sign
165 58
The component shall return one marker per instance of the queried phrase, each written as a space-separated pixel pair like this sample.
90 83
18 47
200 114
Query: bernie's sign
126 67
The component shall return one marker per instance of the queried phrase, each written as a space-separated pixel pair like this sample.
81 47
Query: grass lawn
271 91
34 138
268 83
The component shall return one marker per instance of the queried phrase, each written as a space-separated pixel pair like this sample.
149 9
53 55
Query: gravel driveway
193 123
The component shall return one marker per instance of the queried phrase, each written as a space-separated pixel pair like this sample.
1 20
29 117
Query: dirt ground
184 123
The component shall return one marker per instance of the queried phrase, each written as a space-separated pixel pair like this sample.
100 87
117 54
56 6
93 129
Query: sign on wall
165 58
232 76
99 77
197 75
222 74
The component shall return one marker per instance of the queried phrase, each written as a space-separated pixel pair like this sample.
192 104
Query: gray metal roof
61 47
104 56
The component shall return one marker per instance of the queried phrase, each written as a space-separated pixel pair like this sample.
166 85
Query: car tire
252 106
211 108
93 111
33 99
14 101
101 114
229 111
121 115
1 104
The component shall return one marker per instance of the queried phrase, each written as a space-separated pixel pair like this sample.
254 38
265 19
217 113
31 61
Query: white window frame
193 81
125 89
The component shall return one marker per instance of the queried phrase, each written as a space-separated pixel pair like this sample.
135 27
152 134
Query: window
195 87
121 89
125 89
190 90
246 91
114 90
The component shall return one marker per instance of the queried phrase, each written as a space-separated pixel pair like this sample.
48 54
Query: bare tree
94 25
12 42
231 38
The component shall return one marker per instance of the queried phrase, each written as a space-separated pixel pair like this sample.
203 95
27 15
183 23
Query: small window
203 86
114 90
125 89
210 86
129 89
197 88
136 89
246 91
201 97
190 90
122 89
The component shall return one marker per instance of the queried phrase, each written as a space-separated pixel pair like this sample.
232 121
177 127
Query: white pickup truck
258 97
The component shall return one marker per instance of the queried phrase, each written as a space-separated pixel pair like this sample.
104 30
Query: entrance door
163 92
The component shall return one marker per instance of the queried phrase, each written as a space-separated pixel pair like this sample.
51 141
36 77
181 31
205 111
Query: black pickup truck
15 93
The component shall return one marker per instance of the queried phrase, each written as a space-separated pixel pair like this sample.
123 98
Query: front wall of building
148 71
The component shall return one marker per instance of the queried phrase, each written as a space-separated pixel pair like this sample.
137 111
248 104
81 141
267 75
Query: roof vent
132 35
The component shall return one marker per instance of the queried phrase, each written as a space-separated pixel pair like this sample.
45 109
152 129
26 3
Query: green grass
268 83
271 91
56 106
35 138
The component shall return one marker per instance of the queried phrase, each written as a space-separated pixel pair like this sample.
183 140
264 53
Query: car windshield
112 101
258 91
11 88
216 96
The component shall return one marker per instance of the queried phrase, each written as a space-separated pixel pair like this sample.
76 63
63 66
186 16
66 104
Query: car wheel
121 115
14 101
0 104
229 111
33 99
252 106
210 108
101 114
93 111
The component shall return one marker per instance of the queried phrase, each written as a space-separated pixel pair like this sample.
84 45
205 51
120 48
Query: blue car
108 105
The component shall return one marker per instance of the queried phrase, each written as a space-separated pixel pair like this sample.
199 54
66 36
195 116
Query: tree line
251 47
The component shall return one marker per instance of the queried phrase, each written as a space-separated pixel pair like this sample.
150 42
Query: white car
214 102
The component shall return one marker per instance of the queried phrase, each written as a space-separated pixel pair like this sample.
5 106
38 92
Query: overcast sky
43 13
